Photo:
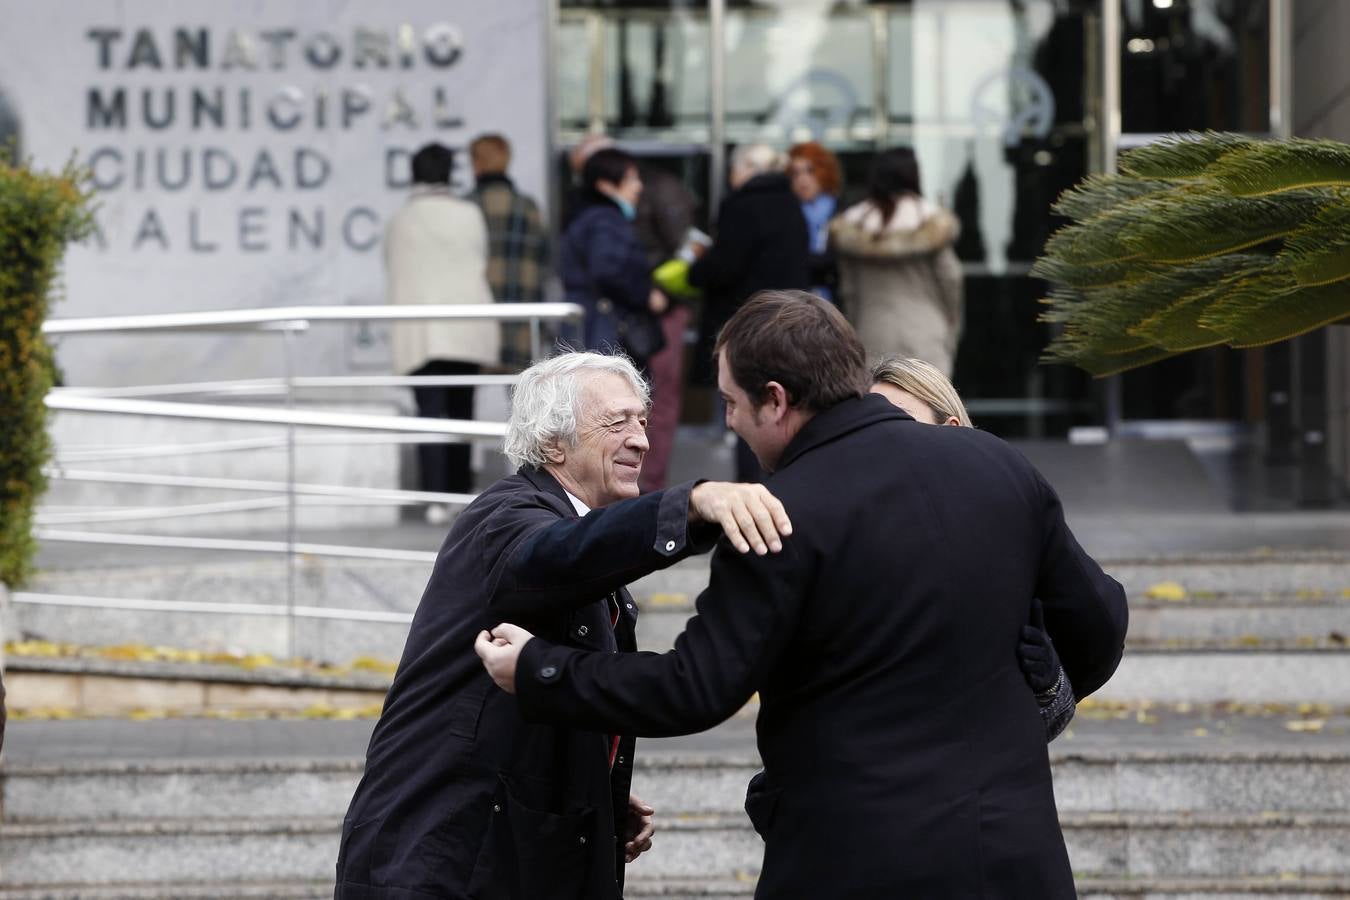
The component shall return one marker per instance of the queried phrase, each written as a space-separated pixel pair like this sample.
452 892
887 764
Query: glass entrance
1004 105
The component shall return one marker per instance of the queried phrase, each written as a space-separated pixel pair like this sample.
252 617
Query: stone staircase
1215 764
1138 823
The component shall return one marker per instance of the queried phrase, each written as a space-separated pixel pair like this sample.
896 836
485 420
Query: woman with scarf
604 266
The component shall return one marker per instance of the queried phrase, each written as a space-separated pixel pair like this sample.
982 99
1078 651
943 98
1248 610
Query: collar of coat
544 481
839 420
766 182
856 239
487 179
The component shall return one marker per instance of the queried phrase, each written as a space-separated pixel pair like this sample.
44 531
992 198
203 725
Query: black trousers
445 467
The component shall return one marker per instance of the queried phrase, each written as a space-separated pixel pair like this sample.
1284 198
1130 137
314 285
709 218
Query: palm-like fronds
1201 240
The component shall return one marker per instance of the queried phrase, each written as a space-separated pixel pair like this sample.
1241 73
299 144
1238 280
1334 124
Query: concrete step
191 890
1258 888
1203 578
1289 596
204 850
1117 845
1100 844
252 790
1292 619
1290 887
324 582
1215 780
1183 675
83 686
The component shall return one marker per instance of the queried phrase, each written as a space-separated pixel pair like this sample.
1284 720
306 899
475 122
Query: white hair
758 158
544 406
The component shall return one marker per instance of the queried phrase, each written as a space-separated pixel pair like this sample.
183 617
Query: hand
499 649
748 513
1036 654
658 302
639 829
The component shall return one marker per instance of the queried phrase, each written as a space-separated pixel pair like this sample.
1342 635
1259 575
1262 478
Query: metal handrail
288 322
394 495
140 451
247 609
291 548
252 319
463 428
256 386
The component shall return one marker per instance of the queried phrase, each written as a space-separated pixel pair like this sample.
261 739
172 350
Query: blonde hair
926 382
758 158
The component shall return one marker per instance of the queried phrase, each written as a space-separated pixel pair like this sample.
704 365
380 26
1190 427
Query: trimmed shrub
39 214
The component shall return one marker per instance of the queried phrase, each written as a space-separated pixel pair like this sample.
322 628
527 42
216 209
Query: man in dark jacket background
762 243
460 797
904 754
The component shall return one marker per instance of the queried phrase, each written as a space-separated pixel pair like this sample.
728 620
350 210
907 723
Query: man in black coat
460 797
904 755
762 244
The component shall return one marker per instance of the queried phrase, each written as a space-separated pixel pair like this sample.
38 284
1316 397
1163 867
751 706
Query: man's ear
776 401
554 454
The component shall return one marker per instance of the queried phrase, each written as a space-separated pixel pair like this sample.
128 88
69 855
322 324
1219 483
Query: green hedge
39 214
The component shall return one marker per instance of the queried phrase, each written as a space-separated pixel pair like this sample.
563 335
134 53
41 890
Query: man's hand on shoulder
750 516
499 649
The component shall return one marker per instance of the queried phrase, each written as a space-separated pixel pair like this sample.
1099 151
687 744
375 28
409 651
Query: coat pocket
761 803
553 850
468 708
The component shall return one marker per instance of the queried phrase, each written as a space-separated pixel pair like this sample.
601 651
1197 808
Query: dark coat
460 797
905 755
603 266
762 244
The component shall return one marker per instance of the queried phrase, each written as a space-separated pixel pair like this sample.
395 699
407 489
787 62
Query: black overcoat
460 797
762 244
905 756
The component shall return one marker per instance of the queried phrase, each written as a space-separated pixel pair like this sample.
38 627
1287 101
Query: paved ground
105 739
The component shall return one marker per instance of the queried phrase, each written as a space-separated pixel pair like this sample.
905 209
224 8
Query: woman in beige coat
899 276
435 251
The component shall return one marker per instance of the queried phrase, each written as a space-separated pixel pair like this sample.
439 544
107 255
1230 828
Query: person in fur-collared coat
899 276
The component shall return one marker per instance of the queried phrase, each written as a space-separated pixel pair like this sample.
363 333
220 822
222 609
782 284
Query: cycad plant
1199 241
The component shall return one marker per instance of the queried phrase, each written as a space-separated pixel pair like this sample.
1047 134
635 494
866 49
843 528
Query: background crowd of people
628 253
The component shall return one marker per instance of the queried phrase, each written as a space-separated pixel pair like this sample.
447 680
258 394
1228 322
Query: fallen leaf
1305 725
1166 590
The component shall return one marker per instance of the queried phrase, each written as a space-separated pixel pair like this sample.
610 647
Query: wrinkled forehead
609 395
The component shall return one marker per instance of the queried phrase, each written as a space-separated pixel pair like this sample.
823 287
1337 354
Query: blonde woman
925 393
921 390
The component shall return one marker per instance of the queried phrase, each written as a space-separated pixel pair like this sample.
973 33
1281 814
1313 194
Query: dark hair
895 174
798 340
609 164
432 164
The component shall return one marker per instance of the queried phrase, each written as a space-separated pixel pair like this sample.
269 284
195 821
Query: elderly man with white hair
762 243
461 797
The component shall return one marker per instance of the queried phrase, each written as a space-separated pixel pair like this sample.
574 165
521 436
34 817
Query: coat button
496 807
583 838
630 606
548 673
670 546
582 631
620 760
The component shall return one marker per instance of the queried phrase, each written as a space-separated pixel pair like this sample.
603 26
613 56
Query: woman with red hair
816 181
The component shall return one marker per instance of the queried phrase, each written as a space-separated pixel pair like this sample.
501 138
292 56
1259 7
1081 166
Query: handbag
639 332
